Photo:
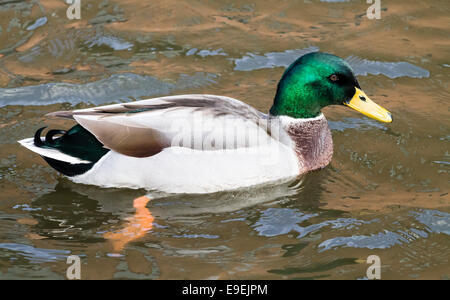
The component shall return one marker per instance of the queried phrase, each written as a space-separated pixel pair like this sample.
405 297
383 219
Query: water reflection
137 225
198 227
70 216
90 214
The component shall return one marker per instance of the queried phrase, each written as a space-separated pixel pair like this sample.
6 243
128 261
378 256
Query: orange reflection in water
138 225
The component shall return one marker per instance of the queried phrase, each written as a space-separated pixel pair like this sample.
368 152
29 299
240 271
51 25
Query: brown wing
127 140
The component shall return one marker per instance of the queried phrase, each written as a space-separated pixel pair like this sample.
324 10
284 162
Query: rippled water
385 193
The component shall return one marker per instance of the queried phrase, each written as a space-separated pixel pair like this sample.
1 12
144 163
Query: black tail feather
37 137
76 142
51 133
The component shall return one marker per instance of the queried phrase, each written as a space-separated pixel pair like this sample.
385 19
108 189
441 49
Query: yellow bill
364 105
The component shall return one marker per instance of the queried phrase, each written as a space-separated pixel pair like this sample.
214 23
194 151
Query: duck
201 143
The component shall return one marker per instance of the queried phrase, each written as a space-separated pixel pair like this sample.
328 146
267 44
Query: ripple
204 53
380 240
196 236
115 88
252 62
35 255
113 42
441 162
355 123
362 67
39 22
278 221
392 70
435 222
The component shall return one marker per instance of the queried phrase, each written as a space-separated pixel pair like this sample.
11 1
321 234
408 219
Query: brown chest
313 143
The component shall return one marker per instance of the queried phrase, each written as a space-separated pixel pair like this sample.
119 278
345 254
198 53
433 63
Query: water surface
385 193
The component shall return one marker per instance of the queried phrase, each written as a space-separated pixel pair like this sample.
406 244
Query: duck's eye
334 77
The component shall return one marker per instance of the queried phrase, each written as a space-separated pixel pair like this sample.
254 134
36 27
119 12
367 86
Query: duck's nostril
362 98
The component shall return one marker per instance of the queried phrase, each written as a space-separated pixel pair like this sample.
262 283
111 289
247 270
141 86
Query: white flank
183 170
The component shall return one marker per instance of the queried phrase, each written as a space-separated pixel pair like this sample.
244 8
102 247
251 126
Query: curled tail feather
72 153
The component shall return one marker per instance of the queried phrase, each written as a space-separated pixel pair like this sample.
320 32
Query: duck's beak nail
364 105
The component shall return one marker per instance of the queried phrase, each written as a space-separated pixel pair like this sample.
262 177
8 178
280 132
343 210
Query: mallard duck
207 143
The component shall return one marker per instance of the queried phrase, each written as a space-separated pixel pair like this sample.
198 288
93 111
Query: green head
316 80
